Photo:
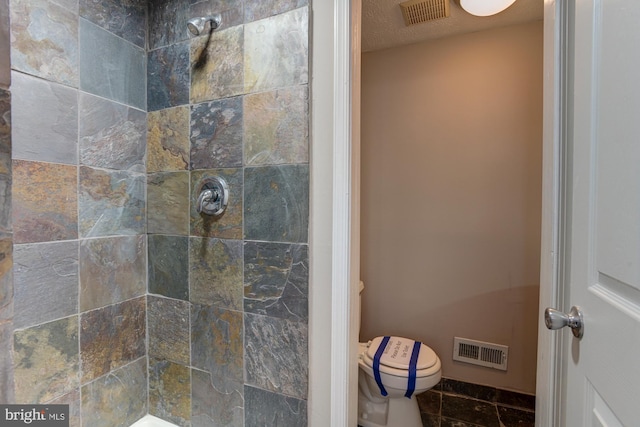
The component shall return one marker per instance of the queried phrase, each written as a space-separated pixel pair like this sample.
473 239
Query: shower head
197 25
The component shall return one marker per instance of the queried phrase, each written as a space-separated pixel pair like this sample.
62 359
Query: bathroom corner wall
79 210
6 235
225 313
451 193
228 297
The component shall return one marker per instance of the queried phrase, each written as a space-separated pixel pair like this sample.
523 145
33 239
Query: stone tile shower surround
123 300
6 235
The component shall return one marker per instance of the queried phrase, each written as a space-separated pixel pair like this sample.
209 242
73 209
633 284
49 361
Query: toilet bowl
392 370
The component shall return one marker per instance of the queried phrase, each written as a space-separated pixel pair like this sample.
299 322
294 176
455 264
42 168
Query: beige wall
451 196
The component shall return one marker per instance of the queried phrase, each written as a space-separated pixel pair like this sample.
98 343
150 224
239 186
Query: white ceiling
383 26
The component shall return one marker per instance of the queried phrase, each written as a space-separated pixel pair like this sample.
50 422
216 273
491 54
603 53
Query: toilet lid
397 353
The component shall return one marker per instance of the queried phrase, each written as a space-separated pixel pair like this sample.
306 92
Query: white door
603 367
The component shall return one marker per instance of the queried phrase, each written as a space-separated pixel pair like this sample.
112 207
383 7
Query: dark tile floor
458 404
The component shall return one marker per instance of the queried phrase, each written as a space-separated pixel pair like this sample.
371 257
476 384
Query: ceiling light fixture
485 7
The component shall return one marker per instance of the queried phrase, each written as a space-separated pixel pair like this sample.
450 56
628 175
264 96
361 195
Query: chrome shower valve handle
207 201
213 197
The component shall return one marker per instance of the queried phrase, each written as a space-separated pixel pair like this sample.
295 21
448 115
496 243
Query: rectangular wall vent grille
418 11
480 353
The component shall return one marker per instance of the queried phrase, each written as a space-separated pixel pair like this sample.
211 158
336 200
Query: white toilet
392 370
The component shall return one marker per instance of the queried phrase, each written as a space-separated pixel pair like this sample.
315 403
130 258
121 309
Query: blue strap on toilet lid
376 364
411 385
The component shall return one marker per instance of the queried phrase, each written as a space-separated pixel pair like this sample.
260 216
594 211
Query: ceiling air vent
480 353
418 11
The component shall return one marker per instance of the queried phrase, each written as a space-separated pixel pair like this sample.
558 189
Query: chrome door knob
555 319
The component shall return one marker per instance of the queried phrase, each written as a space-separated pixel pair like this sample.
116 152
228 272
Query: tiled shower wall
79 209
227 304
220 335
6 235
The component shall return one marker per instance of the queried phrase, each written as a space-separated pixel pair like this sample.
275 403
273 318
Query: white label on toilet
398 353
398 350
